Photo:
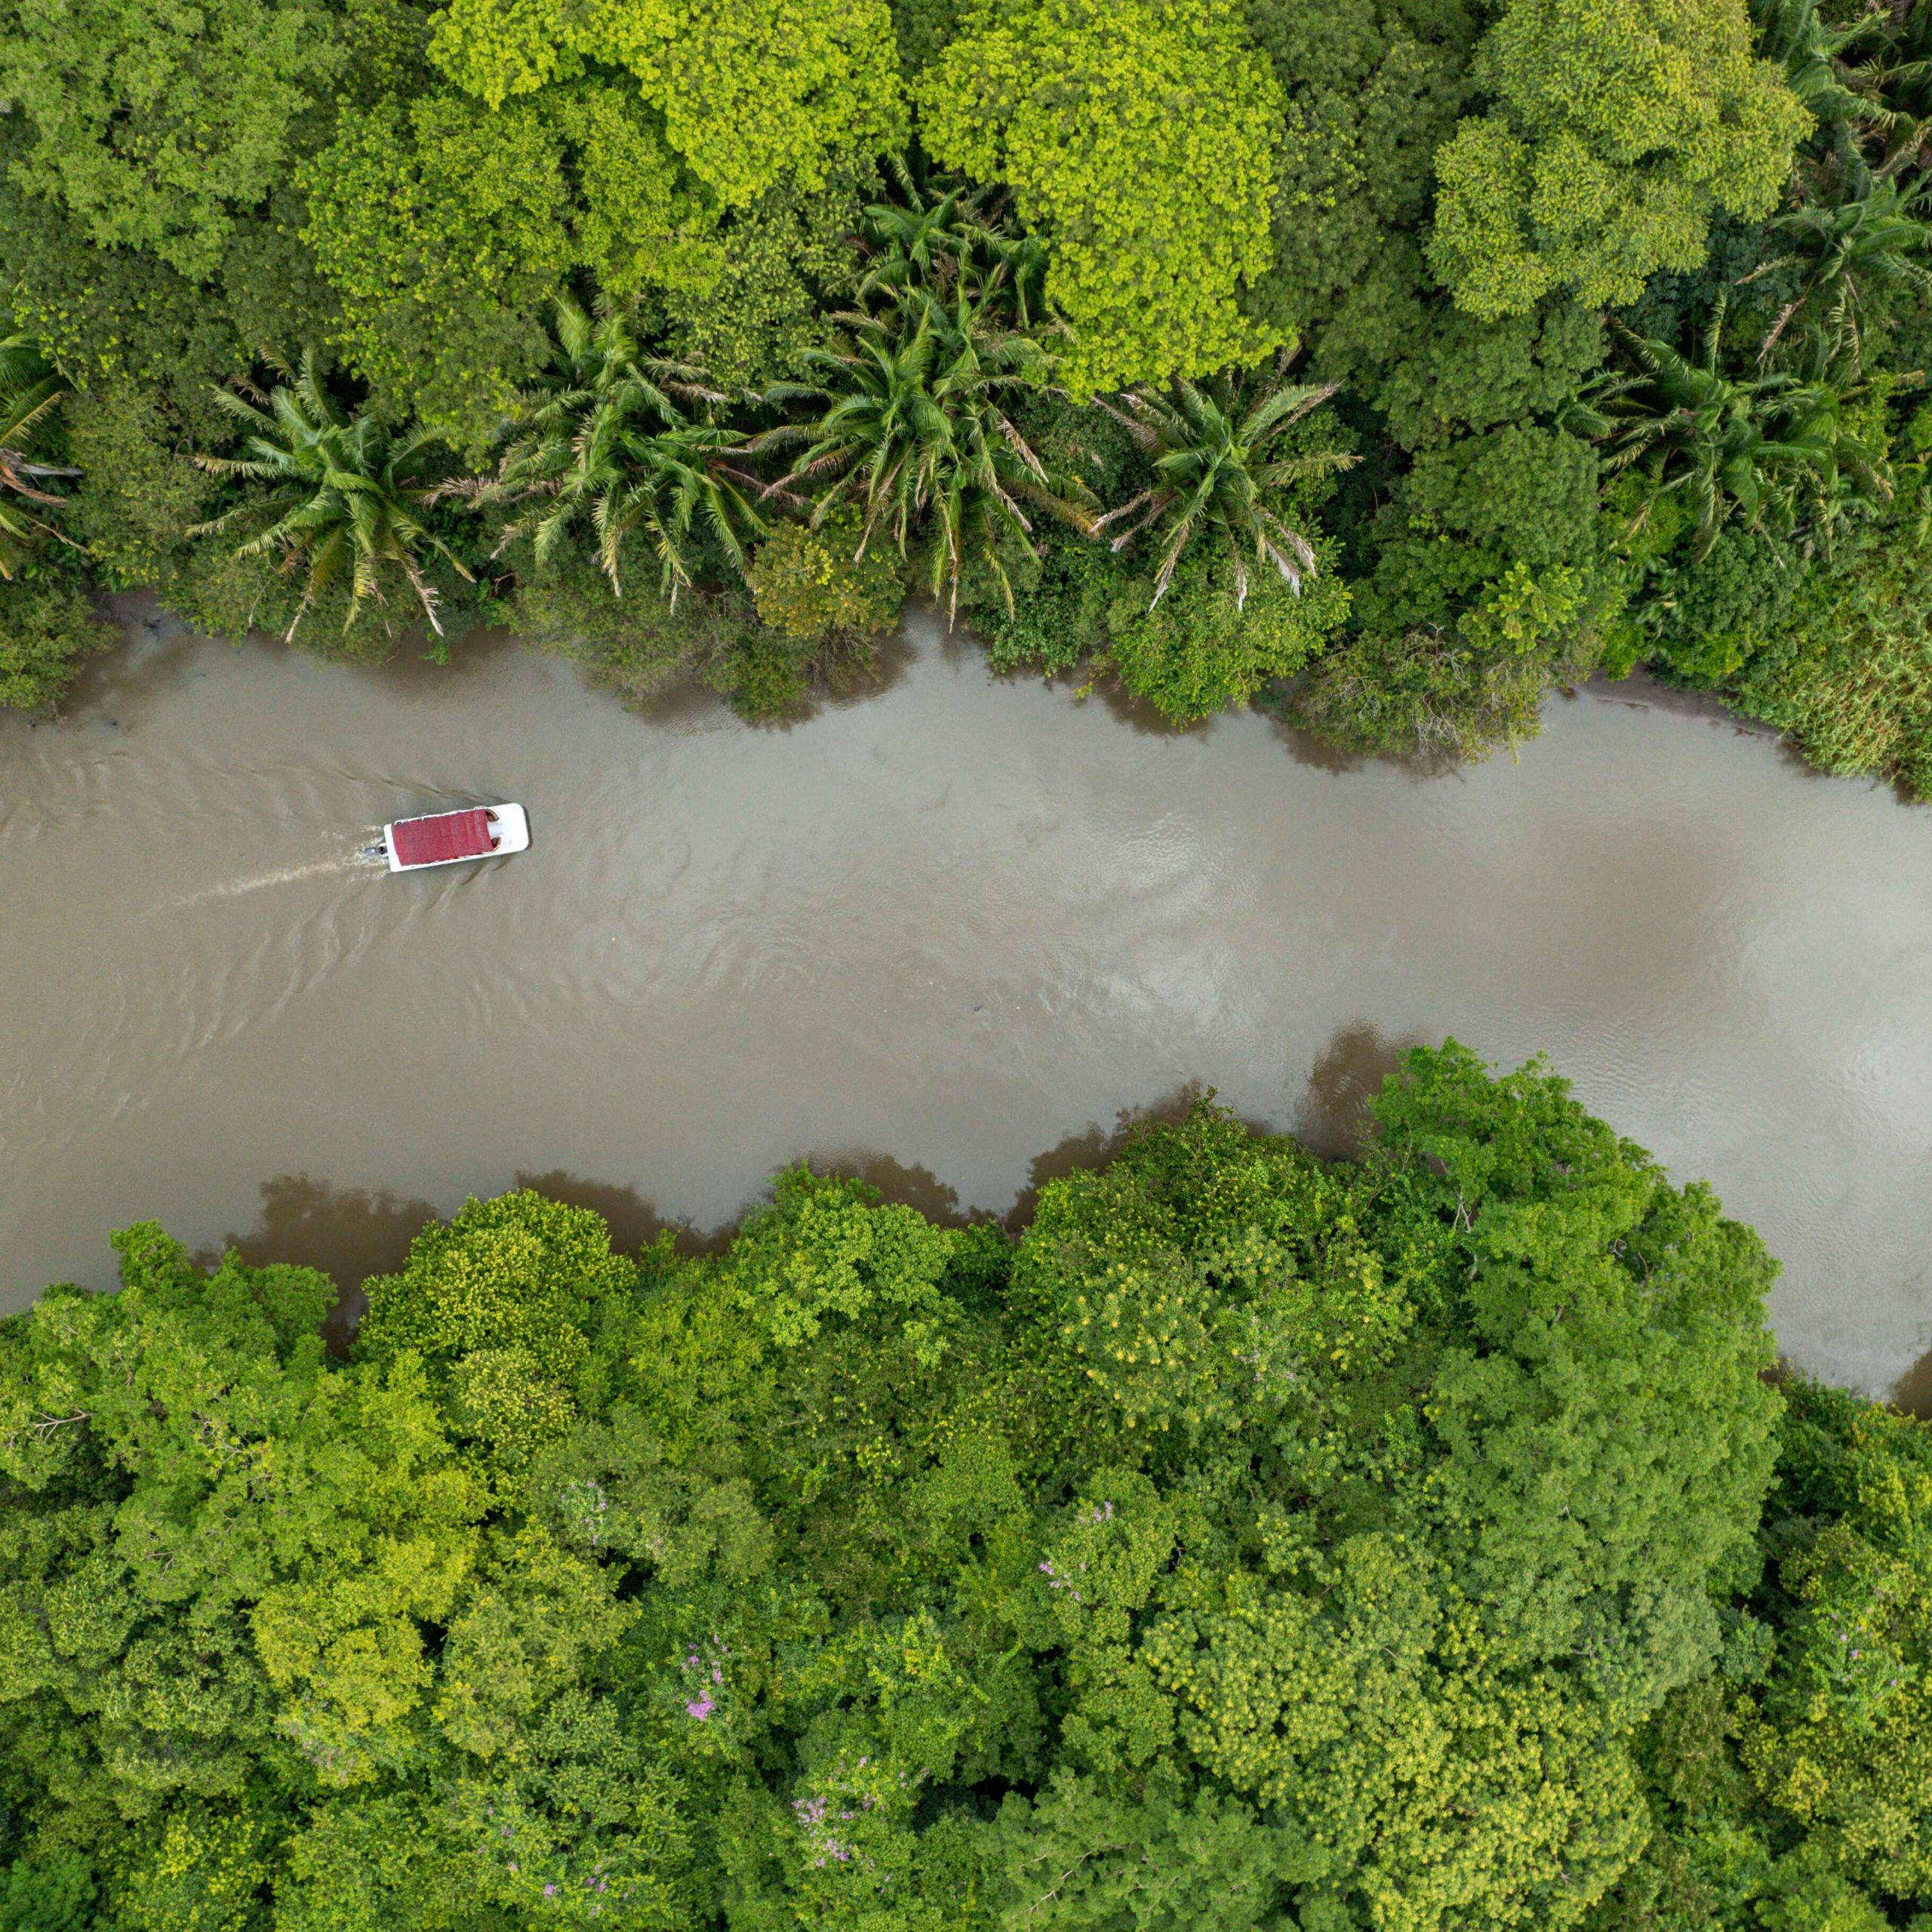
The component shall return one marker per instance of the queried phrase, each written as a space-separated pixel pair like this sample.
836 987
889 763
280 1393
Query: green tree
158 131
1373 90
1834 1738
442 227
185 1443
343 496
1218 473
609 440
1617 128
1092 112
914 425
1207 647
1081 1860
1591 1527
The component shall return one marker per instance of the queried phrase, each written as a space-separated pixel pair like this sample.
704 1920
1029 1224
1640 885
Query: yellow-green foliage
812 584
202 1877
1345 1691
156 127
747 91
1617 127
1094 111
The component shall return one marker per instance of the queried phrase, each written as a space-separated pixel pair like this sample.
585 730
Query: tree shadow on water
1094 1146
1913 1392
349 1233
1334 1119
901 1185
634 1221
352 1233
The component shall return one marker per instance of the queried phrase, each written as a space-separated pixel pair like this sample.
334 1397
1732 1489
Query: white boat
448 838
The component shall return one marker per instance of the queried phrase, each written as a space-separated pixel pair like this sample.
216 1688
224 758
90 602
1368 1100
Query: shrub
637 646
1196 651
1850 680
1461 692
47 626
813 583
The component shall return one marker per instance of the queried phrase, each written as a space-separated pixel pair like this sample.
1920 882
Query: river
948 933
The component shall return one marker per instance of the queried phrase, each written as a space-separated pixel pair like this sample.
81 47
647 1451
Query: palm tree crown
1754 448
1210 448
612 437
1850 251
915 419
963 240
344 494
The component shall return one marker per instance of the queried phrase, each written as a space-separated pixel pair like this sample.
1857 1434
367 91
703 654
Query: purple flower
549 1891
717 1675
701 1709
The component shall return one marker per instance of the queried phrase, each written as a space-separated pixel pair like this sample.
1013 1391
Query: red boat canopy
427 841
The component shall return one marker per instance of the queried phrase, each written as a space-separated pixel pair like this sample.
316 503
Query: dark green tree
1767 447
610 440
914 423
343 496
1218 472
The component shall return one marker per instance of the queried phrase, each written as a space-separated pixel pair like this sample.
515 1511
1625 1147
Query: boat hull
421 844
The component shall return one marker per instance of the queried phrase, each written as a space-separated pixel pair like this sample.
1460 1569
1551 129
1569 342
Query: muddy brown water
946 934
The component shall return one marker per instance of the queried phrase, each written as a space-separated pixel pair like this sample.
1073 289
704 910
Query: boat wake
359 861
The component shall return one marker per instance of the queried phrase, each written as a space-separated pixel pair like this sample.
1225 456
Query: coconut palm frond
1213 445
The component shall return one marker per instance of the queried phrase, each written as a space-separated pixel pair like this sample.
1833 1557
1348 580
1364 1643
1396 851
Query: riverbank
946 931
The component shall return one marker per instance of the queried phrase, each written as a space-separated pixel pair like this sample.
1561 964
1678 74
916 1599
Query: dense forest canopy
1408 1545
1255 1546
1618 312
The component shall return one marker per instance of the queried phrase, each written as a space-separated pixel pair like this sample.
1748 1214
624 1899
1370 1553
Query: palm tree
1850 251
611 437
963 239
1812 54
1210 446
29 394
1894 81
1754 448
344 494
912 422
